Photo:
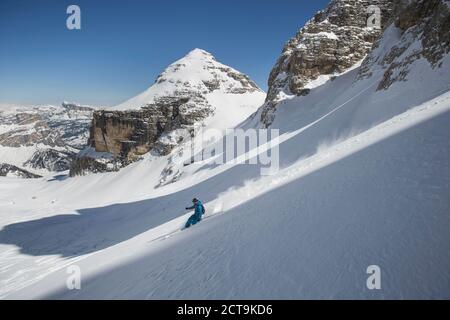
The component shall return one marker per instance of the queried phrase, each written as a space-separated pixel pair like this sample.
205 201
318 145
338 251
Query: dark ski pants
193 220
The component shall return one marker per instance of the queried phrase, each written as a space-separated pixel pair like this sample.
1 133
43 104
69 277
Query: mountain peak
196 74
198 53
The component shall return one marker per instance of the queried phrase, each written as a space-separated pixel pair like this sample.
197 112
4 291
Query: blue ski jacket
199 209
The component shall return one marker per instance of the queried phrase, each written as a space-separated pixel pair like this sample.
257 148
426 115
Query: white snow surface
364 180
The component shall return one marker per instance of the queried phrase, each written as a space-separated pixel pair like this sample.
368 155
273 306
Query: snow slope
301 245
364 179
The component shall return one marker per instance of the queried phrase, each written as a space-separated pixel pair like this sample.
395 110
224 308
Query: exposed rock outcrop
425 26
51 160
8 170
334 40
130 134
86 164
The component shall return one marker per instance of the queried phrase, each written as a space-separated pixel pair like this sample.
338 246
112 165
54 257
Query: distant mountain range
43 139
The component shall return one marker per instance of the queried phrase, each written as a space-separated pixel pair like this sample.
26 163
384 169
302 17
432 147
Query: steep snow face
43 139
198 71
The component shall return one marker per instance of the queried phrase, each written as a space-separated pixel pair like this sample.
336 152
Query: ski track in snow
124 232
44 266
325 156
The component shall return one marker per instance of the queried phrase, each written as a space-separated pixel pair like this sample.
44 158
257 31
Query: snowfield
364 180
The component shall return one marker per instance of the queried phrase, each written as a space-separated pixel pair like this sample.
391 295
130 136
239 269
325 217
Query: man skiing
197 216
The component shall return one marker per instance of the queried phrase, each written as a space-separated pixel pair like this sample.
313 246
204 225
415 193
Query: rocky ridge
8 170
424 27
44 138
334 40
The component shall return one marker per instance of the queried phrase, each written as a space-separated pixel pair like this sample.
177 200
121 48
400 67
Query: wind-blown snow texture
364 179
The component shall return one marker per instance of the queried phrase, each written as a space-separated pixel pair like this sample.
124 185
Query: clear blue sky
123 45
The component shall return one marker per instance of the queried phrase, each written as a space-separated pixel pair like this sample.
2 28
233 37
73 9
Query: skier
197 216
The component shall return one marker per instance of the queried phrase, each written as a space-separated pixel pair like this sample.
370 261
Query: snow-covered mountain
197 73
195 91
364 180
43 139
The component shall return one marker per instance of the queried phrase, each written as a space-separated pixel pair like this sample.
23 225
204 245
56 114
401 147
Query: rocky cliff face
129 134
50 159
43 138
164 115
334 40
424 27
